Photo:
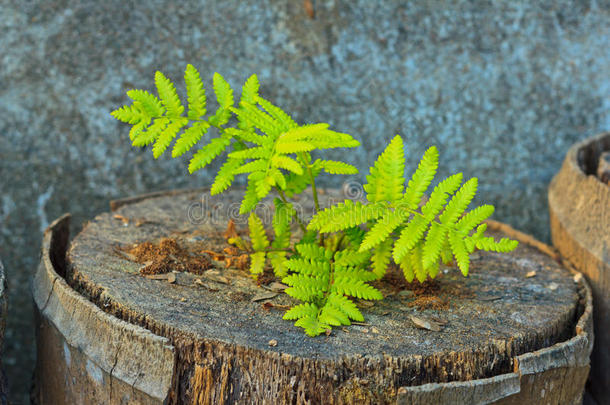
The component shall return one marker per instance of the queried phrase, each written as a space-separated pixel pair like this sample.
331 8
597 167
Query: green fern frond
189 138
148 103
386 179
249 91
167 136
257 263
458 203
206 154
149 136
281 224
280 115
439 196
250 196
474 217
346 305
278 263
313 251
306 309
459 251
331 315
381 258
345 215
383 228
409 237
308 267
258 236
433 245
421 179
129 114
355 288
285 162
313 327
350 257
223 91
168 95
334 167
195 93
225 176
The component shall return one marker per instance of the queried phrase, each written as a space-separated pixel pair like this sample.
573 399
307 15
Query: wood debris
531 274
427 324
264 296
170 277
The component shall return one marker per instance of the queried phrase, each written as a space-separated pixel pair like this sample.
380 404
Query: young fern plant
343 248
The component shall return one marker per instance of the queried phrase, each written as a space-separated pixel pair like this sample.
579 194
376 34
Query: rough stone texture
503 89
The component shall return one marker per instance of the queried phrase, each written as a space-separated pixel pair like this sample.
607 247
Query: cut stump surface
233 346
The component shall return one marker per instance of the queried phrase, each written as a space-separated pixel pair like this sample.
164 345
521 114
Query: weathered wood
579 205
85 355
3 314
508 337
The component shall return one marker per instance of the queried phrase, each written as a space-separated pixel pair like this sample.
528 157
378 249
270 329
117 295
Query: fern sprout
344 248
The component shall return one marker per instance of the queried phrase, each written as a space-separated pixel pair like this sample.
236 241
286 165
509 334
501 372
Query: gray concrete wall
503 88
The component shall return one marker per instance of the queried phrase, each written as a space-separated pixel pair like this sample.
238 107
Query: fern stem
296 215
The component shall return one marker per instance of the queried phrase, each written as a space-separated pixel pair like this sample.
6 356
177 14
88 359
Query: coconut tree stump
579 205
517 330
3 313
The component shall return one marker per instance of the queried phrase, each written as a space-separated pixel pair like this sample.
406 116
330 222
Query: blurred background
502 88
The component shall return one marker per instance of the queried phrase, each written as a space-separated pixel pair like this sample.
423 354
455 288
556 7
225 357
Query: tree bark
579 206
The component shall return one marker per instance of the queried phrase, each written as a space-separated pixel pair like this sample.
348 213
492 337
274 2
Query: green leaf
300 311
249 91
225 175
189 138
409 237
147 137
284 119
312 326
257 262
386 178
345 215
169 96
346 305
167 136
459 251
433 245
355 288
195 93
421 179
148 103
258 236
223 91
457 205
206 154
383 228
381 257
334 167
287 163
473 218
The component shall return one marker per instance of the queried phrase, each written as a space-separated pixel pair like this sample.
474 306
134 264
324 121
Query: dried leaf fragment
427 324
273 343
264 296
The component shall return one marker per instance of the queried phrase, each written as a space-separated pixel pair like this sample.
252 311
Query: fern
343 248
423 239
325 279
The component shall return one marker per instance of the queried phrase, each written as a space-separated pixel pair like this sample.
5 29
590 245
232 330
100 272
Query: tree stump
579 206
517 330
